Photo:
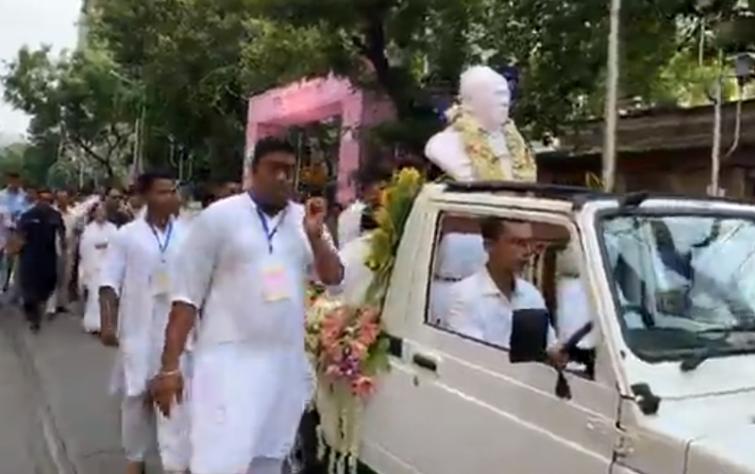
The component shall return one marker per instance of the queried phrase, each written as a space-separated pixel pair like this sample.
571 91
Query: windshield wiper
727 330
693 361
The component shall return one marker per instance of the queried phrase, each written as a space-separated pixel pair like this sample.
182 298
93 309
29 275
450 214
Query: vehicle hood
731 452
719 431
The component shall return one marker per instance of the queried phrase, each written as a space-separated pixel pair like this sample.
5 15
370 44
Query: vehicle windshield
684 284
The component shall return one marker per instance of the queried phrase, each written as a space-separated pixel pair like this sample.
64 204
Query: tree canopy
80 102
186 67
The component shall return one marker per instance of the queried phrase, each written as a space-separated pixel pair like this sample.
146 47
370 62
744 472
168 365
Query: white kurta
252 380
132 267
140 265
459 256
93 249
350 223
357 277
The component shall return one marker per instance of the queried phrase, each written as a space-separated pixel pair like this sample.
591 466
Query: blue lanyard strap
270 233
163 246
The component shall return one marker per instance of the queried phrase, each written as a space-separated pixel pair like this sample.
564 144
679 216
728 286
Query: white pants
252 400
262 466
59 298
141 426
266 466
137 428
92 310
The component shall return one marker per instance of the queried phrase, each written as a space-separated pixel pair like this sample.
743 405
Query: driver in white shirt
483 305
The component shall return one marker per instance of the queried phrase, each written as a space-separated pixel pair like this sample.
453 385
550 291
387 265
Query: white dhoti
92 310
144 427
173 436
137 428
250 398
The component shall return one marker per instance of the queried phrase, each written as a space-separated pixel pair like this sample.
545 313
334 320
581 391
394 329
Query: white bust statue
477 143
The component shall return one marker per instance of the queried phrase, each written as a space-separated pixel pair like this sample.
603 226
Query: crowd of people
205 309
62 238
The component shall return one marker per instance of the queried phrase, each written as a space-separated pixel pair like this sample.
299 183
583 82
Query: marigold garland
485 162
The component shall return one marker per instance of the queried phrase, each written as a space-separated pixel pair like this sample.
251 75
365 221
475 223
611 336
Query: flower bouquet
344 341
348 351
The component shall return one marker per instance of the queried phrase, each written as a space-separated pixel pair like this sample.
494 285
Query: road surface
58 417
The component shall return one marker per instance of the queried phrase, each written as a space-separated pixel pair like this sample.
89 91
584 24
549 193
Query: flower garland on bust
485 163
345 344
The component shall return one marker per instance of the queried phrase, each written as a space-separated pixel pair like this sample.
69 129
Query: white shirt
135 268
226 264
481 311
574 310
356 276
350 223
459 256
6 224
93 250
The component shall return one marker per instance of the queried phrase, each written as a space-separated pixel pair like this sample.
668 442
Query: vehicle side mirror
529 335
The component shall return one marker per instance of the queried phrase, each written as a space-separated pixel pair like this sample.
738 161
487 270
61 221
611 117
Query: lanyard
163 246
270 233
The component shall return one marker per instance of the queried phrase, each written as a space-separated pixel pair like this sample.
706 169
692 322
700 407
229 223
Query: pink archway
271 112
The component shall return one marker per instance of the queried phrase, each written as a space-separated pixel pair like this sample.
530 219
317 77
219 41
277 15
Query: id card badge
275 284
161 280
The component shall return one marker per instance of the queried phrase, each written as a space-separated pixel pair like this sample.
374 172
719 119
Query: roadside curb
54 455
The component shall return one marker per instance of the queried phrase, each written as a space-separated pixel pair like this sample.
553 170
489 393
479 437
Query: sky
32 23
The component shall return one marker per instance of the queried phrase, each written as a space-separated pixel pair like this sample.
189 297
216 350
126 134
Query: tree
186 54
80 102
31 161
411 48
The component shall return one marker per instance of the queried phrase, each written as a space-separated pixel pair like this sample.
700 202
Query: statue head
485 94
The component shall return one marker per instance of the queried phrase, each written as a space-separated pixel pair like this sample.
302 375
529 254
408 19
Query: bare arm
182 316
110 284
108 315
327 263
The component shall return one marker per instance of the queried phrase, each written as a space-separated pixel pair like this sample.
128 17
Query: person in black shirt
41 231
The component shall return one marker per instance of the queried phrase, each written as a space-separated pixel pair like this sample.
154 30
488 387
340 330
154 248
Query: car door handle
425 361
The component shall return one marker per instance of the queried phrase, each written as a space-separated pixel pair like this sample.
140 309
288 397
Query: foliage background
181 70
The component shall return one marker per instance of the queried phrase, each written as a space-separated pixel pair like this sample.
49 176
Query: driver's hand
558 357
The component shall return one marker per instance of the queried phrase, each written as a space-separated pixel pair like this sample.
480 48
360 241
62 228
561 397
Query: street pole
612 85
715 156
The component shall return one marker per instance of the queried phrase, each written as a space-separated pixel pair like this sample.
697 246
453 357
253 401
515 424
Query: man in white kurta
139 267
246 263
95 239
351 221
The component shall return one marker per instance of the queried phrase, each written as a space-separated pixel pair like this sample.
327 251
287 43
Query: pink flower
333 371
358 349
363 386
368 315
368 334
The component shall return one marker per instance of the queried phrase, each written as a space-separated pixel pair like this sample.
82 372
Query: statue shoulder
446 150
444 142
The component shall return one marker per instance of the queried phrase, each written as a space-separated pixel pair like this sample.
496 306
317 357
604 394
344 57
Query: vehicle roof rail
576 194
